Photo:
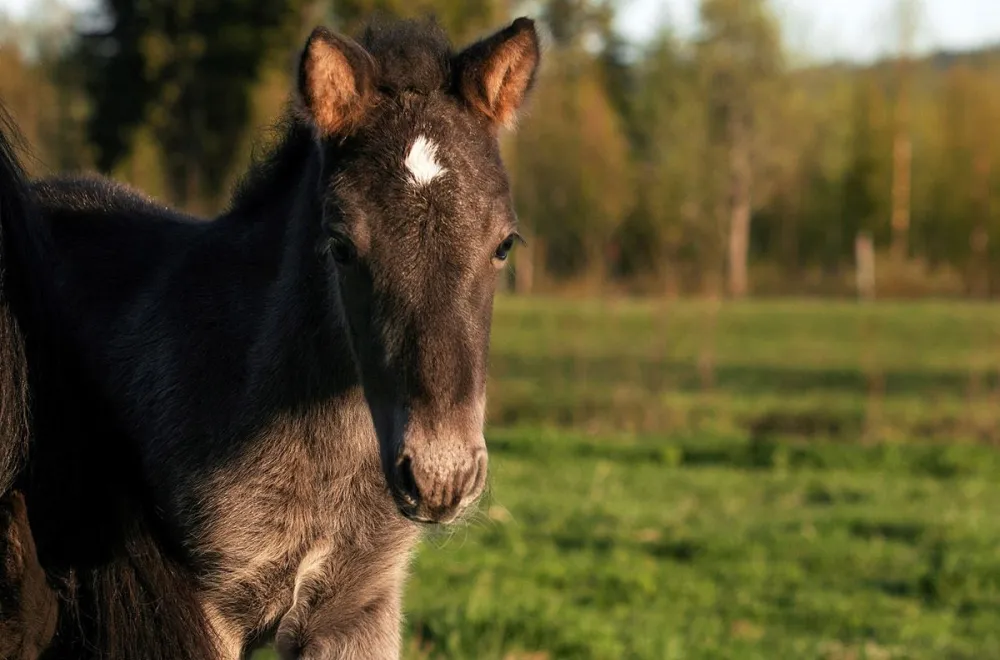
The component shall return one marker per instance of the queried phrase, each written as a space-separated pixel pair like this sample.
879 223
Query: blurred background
746 373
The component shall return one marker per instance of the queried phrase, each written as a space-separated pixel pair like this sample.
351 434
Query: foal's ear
496 74
336 82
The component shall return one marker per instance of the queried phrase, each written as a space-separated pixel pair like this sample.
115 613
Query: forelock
411 55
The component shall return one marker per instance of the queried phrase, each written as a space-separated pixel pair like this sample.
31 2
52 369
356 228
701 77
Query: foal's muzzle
435 484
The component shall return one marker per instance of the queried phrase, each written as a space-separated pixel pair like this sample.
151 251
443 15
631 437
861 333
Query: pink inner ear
506 81
497 84
509 80
331 97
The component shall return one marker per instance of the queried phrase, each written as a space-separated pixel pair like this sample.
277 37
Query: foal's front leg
336 619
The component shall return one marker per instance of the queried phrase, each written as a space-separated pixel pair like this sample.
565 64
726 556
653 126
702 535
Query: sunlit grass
719 547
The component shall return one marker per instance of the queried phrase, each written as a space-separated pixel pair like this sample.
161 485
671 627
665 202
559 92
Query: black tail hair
16 211
27 604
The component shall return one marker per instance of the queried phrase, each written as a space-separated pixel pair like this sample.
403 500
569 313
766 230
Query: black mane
276 168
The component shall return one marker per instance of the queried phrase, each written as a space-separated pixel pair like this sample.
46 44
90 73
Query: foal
238 424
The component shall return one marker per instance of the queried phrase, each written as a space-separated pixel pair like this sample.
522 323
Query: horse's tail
16 220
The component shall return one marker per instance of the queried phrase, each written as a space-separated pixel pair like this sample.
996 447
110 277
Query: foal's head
417 220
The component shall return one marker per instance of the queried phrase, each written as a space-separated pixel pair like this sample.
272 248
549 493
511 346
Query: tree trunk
670 283
902 154
902 150
740 206
739 246
980 238
864 258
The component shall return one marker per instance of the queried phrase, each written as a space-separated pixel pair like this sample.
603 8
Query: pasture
761 480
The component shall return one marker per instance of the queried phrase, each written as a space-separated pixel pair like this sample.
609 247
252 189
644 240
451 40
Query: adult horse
238 425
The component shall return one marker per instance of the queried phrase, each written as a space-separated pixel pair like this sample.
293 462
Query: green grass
622 547
770 506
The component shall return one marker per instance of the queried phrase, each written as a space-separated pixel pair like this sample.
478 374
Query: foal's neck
301 358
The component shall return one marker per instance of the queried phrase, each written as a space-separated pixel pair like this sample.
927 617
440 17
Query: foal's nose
436 484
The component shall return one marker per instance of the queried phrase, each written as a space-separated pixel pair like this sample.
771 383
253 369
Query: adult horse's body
204 470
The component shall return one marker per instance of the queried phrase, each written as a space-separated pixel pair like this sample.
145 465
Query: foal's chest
284 526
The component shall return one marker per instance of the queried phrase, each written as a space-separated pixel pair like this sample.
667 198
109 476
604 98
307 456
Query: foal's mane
276 168
410 56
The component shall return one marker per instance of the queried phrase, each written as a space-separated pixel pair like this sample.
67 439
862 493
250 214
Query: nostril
482 471
407 482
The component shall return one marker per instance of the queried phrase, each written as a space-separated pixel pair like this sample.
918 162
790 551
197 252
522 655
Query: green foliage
573 22
463 20
864 208
740 49
671 144
189 68
572 161
964 185
43 93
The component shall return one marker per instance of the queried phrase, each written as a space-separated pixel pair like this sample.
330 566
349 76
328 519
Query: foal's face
417 221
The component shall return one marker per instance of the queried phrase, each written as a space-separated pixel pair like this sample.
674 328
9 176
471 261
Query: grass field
766 480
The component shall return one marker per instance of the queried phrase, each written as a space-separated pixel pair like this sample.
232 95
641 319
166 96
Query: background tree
572 167
463 20
667 228
665 166
189 66
573 185
738 54
39 85
906 17
866 180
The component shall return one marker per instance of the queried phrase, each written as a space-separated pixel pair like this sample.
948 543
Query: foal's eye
503 250
341 248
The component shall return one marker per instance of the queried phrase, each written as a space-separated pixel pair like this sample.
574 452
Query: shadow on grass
656 373
762 453
908 533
